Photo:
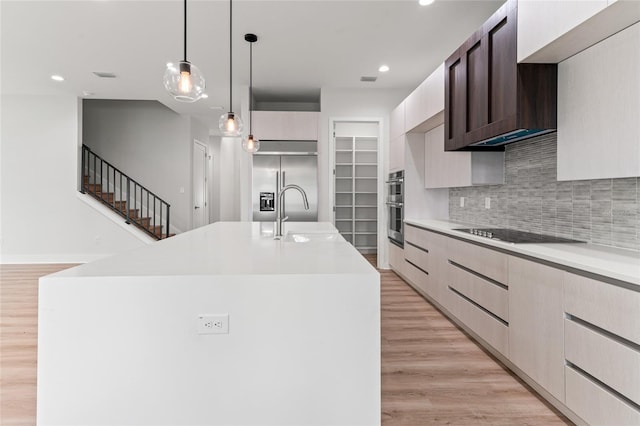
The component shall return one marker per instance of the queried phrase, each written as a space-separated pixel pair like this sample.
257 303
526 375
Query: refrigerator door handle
284 196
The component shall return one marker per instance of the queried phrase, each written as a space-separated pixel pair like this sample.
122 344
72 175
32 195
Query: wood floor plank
432 372
19 339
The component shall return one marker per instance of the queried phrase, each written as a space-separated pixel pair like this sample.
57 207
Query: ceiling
303 46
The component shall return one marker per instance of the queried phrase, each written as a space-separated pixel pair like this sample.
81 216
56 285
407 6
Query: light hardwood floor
432 373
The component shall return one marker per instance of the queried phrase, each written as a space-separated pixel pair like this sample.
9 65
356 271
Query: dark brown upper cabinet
490 99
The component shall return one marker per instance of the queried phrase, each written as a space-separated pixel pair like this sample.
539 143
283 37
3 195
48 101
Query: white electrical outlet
213 324
487 203
461 201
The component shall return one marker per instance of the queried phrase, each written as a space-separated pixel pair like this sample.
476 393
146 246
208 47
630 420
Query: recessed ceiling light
57 78
425 2
383 68
204 96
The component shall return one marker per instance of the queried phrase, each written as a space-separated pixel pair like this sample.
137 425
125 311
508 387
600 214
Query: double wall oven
395 207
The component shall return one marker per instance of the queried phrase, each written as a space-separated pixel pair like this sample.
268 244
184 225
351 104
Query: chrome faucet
279 218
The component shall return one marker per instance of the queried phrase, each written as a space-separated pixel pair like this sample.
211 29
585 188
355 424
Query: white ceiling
303 46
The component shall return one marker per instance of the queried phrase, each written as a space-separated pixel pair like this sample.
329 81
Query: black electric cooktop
516 237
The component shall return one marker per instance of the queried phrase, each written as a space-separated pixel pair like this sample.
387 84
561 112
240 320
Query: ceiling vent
368 79
104 74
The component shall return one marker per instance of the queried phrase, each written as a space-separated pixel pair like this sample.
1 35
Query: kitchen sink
307 237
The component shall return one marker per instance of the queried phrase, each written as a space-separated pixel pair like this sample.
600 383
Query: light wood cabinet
569 26
598 110
602 337
477 291
397 147
396 121
489 263
415 108
595 405
608 360
448 169
396 258
427 250
575 337
536 315
397 140
607 306
424 107
285 125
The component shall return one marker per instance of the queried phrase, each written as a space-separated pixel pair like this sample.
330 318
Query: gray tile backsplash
603 211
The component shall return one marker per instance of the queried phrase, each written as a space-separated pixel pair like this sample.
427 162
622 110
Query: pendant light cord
185 30
250 88
230 55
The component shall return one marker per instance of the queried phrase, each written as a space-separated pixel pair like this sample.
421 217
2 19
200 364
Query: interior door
200 208
266 169
301 170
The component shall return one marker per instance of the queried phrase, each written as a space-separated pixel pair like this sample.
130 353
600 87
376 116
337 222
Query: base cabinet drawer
417 255
489 328
491 296
418 278
613 363
596 405
490 263
594 302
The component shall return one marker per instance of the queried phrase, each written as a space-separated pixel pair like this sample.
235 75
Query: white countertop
612 262
234 248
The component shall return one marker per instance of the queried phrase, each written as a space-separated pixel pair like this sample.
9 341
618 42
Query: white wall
42 217
353 103
150 143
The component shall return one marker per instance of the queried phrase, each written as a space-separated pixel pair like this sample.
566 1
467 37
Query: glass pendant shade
251 144
184 82
230 124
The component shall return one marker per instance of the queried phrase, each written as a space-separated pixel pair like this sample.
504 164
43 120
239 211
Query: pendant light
251 144
230 124
184 81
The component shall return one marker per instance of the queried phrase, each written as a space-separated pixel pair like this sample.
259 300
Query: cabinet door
567 15
444 169
455 100
481 82
396 121
396 153
492 77
433 93
536 323
598 110
285 125
414 112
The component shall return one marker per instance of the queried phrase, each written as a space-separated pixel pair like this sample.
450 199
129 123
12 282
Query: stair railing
124 195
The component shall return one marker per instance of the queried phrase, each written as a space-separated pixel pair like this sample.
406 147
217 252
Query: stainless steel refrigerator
271 173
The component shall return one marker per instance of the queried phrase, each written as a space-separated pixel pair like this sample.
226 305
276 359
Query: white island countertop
234 248
301 345
611 262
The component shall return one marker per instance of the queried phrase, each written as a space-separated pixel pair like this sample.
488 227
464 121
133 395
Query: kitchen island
120 343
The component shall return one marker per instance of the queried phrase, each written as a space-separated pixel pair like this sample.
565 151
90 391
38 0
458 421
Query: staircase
135 203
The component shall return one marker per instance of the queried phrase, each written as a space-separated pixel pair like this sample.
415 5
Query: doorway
356 184
200 198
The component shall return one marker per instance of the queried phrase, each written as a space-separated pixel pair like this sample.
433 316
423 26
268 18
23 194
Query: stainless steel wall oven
395 207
